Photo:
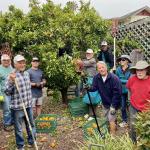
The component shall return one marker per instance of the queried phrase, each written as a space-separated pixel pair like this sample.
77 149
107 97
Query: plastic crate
78 108
46 123
90 128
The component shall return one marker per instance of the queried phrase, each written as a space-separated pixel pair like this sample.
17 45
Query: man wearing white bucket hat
139 88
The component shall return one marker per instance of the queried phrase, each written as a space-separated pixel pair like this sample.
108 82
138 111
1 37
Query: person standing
105 55
109 87
24 94
89 67
5 70
139 87
37 83
123 72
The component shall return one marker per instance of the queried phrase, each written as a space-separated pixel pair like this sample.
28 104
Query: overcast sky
106 8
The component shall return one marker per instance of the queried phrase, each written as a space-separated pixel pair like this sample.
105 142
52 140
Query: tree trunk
64 95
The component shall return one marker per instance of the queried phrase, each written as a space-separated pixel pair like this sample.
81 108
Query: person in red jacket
139 88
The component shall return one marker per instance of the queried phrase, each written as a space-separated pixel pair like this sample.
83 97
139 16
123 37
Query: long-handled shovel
98 128
26 115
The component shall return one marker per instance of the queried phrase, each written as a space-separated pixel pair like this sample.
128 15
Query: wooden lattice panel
139 31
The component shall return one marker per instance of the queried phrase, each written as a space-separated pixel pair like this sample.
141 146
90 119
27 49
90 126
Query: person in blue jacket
124 74
109 87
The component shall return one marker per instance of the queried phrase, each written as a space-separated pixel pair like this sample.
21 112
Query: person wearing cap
89 66
105 55
139 87
123 72
37 82
5 70
21 79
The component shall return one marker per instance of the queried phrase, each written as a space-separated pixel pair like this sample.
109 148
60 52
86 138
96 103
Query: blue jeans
19 117
7 118
124 107
132 132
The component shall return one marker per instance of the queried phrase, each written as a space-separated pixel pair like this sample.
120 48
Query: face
104 47
35 64
6 62
89 55
141 74
20 65
102 69
123 62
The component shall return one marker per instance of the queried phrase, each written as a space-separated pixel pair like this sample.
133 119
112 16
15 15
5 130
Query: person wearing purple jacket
110 89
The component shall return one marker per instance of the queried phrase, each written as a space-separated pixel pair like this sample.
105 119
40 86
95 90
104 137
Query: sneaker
123 124
22 148
8 128
30 146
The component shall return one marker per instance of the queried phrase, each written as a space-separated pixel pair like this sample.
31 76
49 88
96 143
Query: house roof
133 13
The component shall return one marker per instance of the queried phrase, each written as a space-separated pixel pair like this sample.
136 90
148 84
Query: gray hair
101 62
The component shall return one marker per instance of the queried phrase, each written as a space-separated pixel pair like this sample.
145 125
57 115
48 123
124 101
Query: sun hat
18 58
89 51
140 65
35 59
104 43
5 57
125 57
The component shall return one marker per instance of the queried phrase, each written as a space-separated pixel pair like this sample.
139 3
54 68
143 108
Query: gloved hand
86 86
112 110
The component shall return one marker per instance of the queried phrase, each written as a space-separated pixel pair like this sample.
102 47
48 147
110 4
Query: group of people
19 87
127 88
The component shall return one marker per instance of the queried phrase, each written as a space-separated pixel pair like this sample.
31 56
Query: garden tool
26 115
94 114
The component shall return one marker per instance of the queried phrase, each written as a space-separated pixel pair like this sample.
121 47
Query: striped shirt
24 85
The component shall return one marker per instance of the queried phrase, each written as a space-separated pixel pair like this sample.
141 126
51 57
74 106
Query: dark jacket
109 58
123 76
110 90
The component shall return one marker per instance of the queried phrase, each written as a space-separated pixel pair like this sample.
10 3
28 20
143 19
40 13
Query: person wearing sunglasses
5 70
124 74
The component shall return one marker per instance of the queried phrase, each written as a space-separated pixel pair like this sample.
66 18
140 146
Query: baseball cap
90 51
104 43
35 59
18 58
5 57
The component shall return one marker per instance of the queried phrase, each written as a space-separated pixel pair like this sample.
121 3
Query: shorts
108 116
37 101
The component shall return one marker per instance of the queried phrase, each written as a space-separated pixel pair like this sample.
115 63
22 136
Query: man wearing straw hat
21 97
139 87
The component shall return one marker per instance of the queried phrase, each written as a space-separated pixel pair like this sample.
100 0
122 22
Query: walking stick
26 115
98 128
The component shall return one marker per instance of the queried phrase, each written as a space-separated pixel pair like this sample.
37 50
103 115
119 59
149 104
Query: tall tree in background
48 28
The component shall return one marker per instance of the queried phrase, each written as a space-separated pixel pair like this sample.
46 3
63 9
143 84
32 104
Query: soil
68 136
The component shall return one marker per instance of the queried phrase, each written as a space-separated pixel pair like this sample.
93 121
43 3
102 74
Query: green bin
46 123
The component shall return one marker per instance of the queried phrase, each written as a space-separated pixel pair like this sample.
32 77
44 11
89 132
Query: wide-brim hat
140 65
125 57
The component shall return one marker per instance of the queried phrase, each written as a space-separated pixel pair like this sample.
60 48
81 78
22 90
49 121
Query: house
131 17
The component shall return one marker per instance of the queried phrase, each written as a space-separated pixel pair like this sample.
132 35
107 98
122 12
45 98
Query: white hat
5 57
104 43
35 59
90 51
18 58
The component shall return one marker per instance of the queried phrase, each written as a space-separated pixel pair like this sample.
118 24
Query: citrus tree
49 28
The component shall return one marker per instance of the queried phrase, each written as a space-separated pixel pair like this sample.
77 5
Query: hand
38 85
42 84
12 76
86 86
112 110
